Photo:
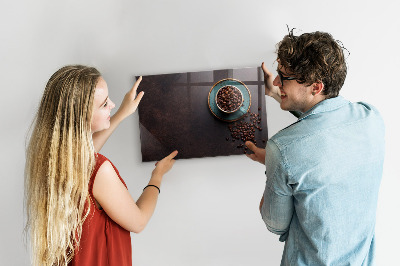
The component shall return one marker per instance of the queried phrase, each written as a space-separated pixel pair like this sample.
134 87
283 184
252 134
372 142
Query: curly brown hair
314 57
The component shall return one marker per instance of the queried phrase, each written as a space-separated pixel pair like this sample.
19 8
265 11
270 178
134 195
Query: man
323 171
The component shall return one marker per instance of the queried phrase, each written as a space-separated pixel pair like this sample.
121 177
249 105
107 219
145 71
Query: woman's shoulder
102 165
105 167
99 161
100 158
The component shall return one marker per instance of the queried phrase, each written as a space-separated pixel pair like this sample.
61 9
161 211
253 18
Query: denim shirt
323 176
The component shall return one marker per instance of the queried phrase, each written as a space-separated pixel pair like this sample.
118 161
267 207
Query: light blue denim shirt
323 176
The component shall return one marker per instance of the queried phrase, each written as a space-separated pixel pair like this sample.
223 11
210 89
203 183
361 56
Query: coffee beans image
245 130
229 99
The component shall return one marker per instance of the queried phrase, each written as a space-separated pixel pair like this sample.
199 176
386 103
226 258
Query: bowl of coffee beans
229 99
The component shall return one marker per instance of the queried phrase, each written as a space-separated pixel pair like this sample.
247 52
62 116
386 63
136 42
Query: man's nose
277 81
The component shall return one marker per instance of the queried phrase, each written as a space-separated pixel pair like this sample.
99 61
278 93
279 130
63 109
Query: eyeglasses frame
282 78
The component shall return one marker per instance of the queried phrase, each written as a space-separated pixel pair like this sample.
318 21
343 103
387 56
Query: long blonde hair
59 161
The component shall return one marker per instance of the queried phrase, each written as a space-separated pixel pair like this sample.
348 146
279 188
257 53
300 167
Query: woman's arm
116 201
128 107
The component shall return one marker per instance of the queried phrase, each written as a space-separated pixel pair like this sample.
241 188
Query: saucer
229 117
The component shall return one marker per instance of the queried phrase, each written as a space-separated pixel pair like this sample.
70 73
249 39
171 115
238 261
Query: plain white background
208 208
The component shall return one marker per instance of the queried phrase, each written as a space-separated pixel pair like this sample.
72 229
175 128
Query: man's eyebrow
283 74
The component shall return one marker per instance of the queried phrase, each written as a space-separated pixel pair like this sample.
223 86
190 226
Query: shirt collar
325 106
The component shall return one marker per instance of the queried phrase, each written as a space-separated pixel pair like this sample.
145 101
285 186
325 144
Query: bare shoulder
114 198
106 170
106 180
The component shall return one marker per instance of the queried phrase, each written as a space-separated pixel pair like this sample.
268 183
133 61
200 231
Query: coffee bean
229 98
244 129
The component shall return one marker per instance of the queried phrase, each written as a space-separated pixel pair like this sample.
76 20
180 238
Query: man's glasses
282 78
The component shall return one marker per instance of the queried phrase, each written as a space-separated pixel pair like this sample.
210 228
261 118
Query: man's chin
285 108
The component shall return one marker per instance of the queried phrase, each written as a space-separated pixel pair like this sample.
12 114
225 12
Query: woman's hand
128 107
270 89
258 155
163 166
131 101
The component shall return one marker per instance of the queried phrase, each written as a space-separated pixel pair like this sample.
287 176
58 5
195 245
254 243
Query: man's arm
276 211
276 206
128 107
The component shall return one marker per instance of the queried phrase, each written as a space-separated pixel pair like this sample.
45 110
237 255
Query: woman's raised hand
131 100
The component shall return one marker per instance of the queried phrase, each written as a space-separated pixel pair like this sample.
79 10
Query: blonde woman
79 211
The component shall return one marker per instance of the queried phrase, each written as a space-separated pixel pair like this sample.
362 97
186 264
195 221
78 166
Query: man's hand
259 154
270 89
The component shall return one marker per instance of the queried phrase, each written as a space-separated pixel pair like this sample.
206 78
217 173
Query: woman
78 207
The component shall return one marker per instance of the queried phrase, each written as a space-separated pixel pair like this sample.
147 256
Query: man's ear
317 88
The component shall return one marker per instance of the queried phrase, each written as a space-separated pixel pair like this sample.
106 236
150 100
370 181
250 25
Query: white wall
208 209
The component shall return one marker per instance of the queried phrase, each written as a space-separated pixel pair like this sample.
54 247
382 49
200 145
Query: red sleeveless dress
103 241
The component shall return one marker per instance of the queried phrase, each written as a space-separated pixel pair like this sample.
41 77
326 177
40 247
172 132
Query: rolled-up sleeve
277 208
